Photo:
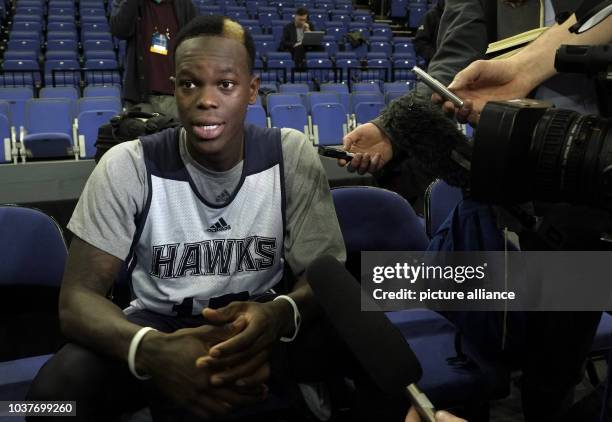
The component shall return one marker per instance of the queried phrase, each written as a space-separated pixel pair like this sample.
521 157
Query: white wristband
134 348
297 318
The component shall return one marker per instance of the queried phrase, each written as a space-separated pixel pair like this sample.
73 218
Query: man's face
213 89
300 20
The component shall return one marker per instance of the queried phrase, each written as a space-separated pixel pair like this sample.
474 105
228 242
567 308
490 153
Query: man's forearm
538 58
95 322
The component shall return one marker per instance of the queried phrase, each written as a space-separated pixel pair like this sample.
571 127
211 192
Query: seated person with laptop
300 36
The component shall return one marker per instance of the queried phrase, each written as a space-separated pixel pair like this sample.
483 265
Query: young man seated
214 219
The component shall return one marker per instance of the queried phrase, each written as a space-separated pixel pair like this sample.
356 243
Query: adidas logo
219 226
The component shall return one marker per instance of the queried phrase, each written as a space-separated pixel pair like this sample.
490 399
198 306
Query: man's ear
254 89
173 80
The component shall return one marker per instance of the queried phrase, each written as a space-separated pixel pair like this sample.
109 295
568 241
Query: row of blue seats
252 6
56 128
60 73
17 98
266 14
325 115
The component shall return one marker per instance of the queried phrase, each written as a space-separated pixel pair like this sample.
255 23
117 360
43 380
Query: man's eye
187 84
227 84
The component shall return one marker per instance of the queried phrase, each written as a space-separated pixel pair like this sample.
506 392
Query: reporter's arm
516 76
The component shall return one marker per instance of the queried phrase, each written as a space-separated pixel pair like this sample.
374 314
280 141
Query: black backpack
128 126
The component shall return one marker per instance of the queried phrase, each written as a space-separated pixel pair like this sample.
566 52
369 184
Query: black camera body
527 150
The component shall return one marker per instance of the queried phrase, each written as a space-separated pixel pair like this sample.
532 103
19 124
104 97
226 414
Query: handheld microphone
367 333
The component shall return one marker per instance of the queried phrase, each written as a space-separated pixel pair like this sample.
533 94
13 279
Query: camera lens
569 158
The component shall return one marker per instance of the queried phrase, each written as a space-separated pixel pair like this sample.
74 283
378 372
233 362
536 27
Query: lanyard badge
159 44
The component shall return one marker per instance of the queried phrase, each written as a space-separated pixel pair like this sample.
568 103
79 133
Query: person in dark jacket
293 33
425 39
149 26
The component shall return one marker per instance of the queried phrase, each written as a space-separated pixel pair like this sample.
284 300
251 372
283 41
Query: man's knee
74 372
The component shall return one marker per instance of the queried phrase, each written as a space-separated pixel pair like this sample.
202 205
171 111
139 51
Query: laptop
313 38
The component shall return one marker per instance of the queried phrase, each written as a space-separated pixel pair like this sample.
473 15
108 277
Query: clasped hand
215 368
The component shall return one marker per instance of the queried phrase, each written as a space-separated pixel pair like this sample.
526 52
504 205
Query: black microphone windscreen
375 342
425 134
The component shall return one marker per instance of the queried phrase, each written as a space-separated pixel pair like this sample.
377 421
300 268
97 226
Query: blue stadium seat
296 88
112 103
27 45
403 45
362 16
62 55
102 72
321 70
20 73
290 116
102 91
62 45
266 15
253 5
324 4
277 27
329 122
415 15
96 36
341 89
366 111
98 45
62 73
28 235
60 18
29 18
330 45
402 69
272 100
265 47
61 27
88 123
399 9
350 68
48 128
95 27
62 35
381 47
69 92
318 17
282 68
440 200
251 25
365 97
100 55
365 87
20 55
341 16
397 87
318 97
256 115
17 98
382 30
236 13
26 26
60 10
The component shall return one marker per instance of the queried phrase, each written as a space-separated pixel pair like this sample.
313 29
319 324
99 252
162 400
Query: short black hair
301 11
220 26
